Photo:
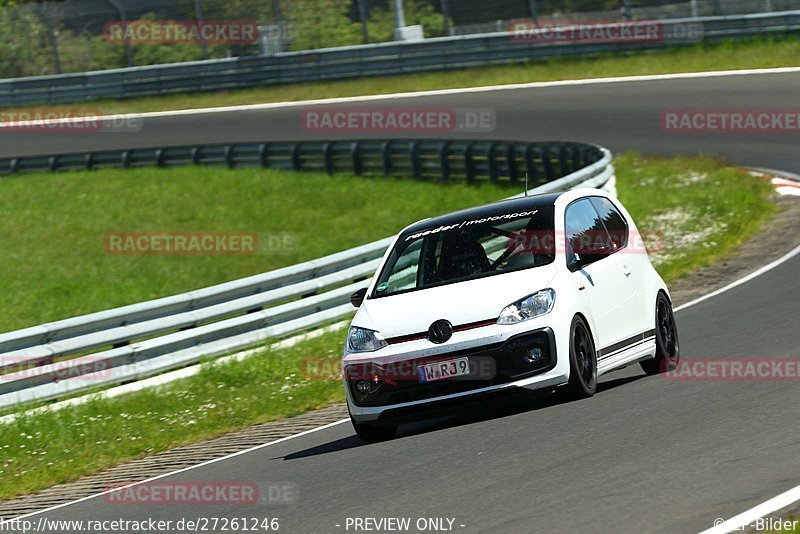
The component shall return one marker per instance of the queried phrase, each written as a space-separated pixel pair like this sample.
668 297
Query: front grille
490 365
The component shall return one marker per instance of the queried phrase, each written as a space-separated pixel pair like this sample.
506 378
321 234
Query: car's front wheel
582 361
374 433
668 352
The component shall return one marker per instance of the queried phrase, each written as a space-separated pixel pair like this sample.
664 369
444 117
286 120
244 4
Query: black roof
487 210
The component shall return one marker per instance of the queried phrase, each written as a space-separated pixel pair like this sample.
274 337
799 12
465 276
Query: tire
582 361
372 433
668 351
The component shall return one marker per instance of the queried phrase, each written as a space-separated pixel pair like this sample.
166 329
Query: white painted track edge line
171 473
783 259
748 517
417 94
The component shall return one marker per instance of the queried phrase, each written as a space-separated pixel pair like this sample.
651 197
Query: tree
422 12
321 24
25 48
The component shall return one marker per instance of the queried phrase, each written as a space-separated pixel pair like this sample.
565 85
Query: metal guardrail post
263 154
444 161
327 156
469 164
355 154
511 158
547 162
416 167
563 160
296 163
530 165
386 158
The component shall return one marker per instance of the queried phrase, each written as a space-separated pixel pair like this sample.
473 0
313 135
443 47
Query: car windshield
469 249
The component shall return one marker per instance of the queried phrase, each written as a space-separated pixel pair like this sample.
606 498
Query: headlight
363 340
538 304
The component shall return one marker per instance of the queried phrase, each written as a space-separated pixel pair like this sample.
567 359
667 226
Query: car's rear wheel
668 352
582 361
371 433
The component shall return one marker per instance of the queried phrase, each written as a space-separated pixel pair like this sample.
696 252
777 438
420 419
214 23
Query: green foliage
24 46
84 52
156 54
381 21
322 24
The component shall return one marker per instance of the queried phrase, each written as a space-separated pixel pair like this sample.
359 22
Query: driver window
585 233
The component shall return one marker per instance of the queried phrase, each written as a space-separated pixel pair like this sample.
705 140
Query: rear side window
614 221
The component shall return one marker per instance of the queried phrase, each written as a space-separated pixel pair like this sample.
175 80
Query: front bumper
500 347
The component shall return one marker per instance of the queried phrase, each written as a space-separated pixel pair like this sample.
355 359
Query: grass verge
743 54
703 208
699 209
57 263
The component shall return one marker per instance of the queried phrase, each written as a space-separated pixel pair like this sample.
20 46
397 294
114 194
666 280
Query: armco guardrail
141 340
437 54
421 159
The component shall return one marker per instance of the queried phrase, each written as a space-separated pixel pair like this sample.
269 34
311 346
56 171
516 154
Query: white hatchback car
544 291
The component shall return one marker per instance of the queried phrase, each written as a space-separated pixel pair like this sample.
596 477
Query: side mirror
357 298
576 263
589 254
599 250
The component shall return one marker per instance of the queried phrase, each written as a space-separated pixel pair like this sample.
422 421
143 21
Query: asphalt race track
620 116
646 454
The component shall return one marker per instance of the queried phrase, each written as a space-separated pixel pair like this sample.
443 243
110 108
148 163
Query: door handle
626 270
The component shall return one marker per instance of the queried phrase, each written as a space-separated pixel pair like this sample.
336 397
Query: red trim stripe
424 335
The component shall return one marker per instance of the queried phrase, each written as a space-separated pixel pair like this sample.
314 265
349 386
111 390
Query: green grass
698 208
746 54
56 264
48 448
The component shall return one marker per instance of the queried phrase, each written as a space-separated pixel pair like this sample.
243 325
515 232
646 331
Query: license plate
443 369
